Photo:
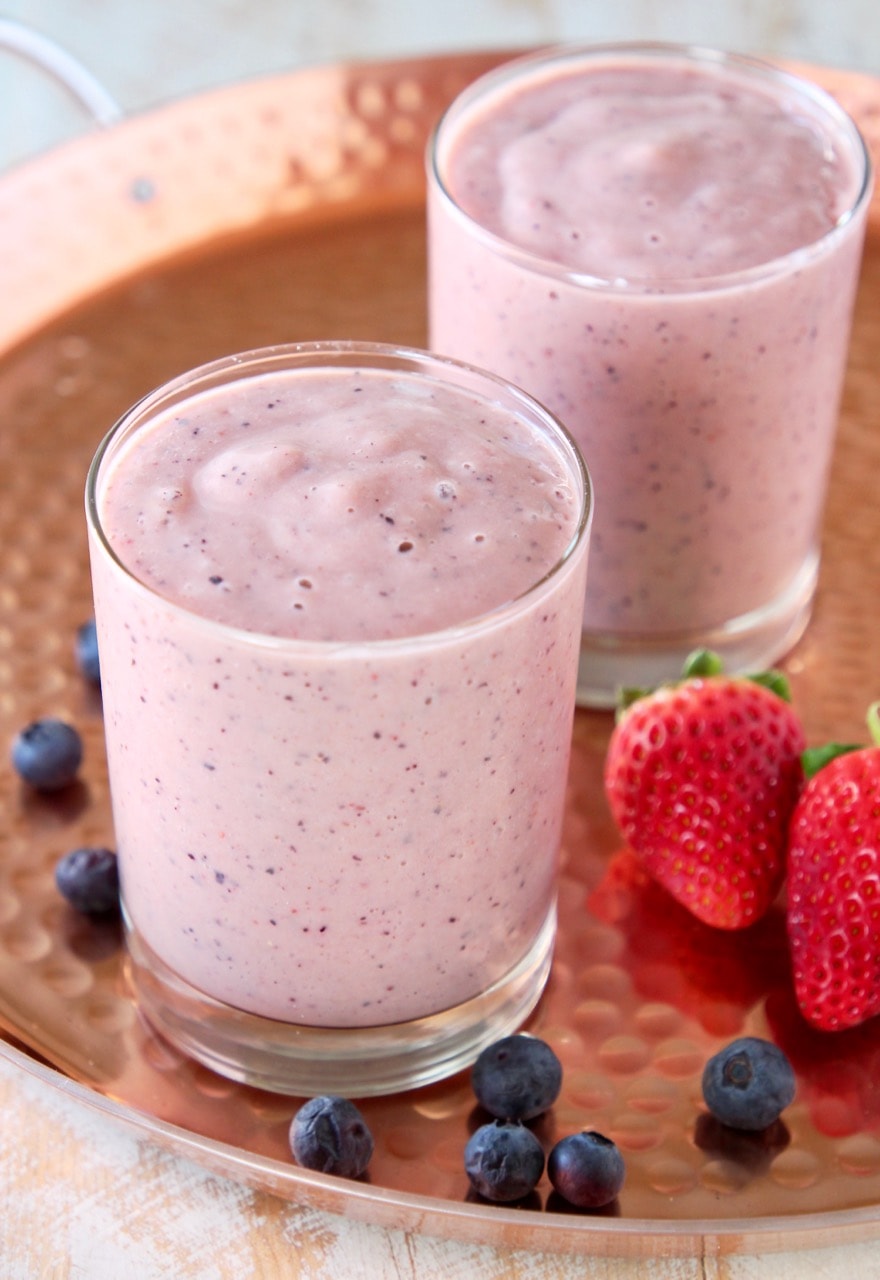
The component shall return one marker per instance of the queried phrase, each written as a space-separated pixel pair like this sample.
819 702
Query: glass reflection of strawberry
838 1072
702 776
834 885
715 976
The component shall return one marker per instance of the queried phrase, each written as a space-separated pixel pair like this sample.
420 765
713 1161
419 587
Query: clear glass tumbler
339 591
662 245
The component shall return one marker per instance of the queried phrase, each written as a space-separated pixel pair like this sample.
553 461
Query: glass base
356 1062
752 642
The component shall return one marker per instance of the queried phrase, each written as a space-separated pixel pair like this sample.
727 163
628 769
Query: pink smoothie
337 739
665 252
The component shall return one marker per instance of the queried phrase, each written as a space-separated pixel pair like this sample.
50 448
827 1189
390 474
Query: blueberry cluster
517 1079
47 755
48 752
746 1086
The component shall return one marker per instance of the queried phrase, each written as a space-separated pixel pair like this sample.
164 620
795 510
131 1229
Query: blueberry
504 1161
748 1083
47 754
517 1078
587 1169
86 650
330 1135
89 879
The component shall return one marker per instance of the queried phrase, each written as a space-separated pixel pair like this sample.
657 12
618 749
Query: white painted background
149 51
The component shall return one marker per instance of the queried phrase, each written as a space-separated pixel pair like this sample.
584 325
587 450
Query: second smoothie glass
705 403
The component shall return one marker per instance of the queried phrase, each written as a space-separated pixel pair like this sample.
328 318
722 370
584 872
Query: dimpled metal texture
227 223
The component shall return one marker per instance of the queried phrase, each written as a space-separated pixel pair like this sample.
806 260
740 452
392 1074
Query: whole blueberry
89 879
330 1135
517 1077
47 754
748 1083
86 649
504 1161
587 1169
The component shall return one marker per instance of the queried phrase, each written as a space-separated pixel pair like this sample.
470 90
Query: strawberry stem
815 758
775 681
627 695
873 721
702 662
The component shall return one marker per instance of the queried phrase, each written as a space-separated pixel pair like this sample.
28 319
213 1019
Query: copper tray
292 208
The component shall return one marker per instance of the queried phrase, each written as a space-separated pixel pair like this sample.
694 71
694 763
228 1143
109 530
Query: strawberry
702 776
833 913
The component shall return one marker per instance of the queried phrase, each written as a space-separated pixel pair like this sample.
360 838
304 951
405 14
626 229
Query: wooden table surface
83 1197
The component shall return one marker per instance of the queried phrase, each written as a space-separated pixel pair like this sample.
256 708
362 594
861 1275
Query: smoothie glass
339 591
662 245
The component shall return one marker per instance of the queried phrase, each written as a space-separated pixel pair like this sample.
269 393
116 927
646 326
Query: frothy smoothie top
650 170
339 505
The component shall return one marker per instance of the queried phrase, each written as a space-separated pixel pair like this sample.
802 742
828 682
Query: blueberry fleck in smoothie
662 246
339 607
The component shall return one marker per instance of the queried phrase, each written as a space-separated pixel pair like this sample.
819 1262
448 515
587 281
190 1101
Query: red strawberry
702 777
834 888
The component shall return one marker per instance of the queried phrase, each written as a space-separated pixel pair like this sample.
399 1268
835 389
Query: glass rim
343 354
764 71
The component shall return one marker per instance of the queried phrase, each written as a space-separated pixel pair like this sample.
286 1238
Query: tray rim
122 188
543 1231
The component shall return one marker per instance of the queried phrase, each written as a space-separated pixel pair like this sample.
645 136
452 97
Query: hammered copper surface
640 993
